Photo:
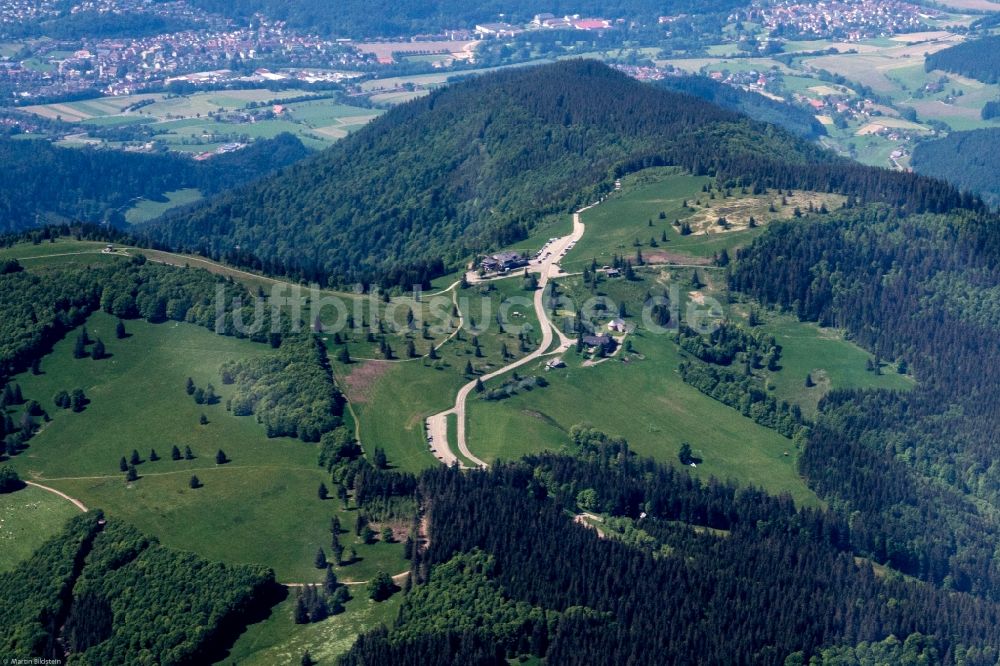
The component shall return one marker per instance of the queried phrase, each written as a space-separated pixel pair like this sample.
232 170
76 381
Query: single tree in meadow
98 352
134 459
381 587
344 355
220 457
320 560
809 380
189 386
195 482
188 454
203 420
330 583
153 455
132 474
175 453
323 493
120 332
79 347
336 550
123 464
78 400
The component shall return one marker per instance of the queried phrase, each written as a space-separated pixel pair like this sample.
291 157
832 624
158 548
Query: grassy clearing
146 209
28 518
824 353
662 412
630 220
278 640
392 399
260 507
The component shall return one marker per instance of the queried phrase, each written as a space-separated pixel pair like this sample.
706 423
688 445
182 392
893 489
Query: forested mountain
474 165
977 59
967 159
766 110
507 573
916 470
361 18
40 181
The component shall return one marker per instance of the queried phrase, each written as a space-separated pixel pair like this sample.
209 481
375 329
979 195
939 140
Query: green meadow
28 517
261 507
147 209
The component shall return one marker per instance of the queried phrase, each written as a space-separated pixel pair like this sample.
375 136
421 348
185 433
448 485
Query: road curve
437 425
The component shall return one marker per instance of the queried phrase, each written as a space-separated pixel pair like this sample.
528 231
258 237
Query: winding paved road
437 425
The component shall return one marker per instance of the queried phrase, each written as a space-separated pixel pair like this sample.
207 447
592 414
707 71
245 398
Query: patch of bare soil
358 384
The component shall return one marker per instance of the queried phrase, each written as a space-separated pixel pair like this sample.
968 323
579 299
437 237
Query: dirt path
77 503
398 578
437 425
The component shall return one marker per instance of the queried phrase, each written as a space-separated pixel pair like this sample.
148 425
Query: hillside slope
474 165
41 182
978 59
965 159
792 118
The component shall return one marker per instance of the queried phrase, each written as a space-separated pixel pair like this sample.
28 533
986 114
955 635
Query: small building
617 325
555 363
613 272
497 30
603 341
501 262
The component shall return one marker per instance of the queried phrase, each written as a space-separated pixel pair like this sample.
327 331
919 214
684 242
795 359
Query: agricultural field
260 507
28 517
186 122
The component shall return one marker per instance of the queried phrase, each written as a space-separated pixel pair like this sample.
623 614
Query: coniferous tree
195 482
320 561
323 493
98 352
220 457
120 332
153 455
175 453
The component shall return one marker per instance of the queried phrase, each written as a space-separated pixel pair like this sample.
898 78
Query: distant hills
392 18
42 183
474 165
967 159
792 118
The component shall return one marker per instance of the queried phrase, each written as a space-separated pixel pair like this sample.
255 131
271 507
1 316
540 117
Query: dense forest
916 470
474 165
966 159
106 594
357 18
764 109
41 182
977 59
679 572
